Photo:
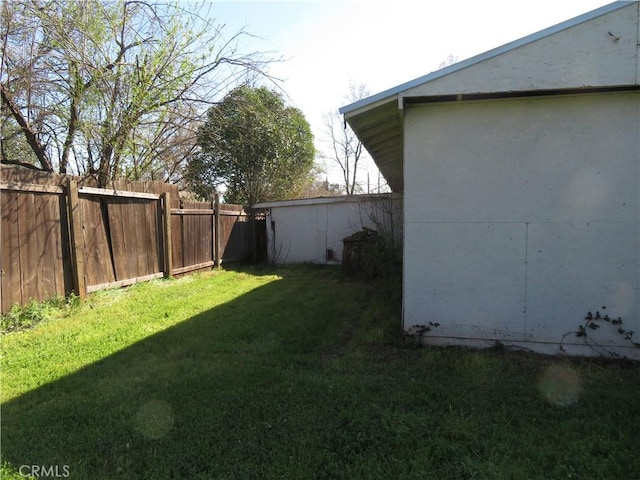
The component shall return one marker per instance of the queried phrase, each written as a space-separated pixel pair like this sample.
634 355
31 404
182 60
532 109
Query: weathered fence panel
97 251
197 231
122 239
194 235
59 234
34 259
235 232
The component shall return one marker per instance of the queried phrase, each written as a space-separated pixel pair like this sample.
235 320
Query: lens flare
154 419
560 385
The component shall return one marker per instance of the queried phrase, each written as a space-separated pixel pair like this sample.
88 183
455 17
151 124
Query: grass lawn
296 373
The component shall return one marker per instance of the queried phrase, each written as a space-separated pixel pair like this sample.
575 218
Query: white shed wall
303 232
521 216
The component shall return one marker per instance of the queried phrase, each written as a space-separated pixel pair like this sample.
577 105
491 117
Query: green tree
255 146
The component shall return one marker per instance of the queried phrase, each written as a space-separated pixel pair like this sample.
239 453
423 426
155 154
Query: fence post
213 231
216 233
76 241
166 233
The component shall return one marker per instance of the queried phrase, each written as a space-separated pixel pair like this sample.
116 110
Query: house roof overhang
379 128
378 120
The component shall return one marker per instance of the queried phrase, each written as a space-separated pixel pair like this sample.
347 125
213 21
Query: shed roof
594 51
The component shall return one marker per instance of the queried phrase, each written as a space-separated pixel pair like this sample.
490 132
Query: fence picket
166 215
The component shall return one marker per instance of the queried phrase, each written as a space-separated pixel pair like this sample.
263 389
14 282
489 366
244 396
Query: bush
29 315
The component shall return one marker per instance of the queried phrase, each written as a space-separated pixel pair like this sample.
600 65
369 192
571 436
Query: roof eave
394 93
385 109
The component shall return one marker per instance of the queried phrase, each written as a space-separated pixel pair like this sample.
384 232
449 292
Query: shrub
29 315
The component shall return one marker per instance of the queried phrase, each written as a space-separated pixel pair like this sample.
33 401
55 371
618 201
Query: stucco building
311 230
520 171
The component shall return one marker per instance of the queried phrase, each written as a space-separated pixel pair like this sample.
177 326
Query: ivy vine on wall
592 322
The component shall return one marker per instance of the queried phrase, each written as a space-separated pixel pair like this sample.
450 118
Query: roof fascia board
370 104
324 200
386 96
498 95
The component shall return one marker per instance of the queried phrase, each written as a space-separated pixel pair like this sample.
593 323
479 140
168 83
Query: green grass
296 373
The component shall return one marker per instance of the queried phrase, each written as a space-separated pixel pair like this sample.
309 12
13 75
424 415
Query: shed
520 173
311 230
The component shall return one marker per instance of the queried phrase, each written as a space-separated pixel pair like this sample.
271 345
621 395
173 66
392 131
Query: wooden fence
60 234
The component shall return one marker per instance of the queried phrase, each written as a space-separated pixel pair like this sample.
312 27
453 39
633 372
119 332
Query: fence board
59 254
11 271
31 187
177 251
119 239
17 175
124 283
192 211
116 193
152 231
98 265
138 247
189 231
151 254
166 233
199 266
27 247
115 238
46 275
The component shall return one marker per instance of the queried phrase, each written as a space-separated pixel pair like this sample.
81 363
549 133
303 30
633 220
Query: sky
330 45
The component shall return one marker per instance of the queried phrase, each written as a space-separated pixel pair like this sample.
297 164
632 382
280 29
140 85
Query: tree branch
30 135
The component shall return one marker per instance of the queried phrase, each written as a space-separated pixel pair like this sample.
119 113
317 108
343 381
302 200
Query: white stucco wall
520 216
302 231
598 53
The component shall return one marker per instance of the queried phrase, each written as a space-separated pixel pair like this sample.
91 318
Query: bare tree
112 88
21 126
346 148
450 60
